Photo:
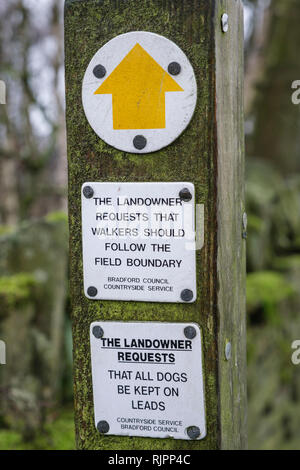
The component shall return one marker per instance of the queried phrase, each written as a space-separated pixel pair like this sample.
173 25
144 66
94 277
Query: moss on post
209 154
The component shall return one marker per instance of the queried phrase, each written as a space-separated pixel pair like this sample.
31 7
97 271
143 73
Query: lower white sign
139 241
148 379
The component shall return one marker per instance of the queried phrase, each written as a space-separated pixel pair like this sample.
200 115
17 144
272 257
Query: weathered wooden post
129 98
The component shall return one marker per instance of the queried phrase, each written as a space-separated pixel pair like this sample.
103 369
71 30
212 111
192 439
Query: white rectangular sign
139 241
148 379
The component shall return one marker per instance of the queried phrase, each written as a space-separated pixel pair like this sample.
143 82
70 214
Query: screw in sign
139 92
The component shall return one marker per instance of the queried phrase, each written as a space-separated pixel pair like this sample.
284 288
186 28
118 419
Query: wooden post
210 154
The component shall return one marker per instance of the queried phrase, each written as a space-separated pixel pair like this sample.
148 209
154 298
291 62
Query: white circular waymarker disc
138 106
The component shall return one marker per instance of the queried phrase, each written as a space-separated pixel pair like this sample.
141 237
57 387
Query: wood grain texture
194 25
230 209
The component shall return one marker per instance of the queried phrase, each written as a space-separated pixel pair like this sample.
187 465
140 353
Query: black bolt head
174 68
190 332
140 142
92 291
193 432
187 295
99 71
98 331
185 195
88 192
103 427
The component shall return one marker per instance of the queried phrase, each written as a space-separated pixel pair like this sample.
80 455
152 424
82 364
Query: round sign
139 92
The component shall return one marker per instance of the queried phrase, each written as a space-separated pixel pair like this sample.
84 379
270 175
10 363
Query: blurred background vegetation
36 384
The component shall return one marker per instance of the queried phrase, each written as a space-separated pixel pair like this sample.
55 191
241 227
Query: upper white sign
148 379
139 241
139 92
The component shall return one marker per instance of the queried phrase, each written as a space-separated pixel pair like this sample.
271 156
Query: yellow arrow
138 86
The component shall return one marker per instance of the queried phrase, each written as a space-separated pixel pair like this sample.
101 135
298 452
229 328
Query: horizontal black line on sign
155 363
149 349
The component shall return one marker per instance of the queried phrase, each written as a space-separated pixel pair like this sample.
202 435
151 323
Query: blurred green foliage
273 306
37 377
266 289
59 434
16 289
